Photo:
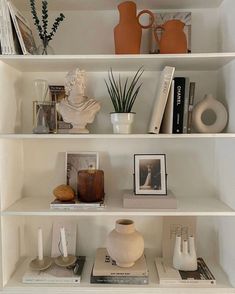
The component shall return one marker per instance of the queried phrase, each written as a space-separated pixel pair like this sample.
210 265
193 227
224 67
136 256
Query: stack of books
15 33
105 271
170 276
172 111
76 204
56 274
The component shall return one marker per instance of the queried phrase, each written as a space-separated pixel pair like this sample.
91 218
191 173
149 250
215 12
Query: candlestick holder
40 265
65 261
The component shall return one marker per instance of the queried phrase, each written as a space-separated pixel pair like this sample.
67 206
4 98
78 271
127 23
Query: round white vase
124 244
219 110
122 122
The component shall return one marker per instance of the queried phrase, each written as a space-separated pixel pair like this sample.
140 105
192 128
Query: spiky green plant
123 97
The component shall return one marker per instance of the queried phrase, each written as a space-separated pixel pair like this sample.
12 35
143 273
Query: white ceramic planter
124 244
122 122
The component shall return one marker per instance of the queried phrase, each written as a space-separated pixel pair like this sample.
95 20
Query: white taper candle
40 244
63 241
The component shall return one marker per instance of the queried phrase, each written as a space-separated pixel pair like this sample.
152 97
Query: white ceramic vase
122 122
185 260
220 112
124 244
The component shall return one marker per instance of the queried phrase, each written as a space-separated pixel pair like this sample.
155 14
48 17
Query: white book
167 121
53 275
23 30
9 29
170 276
1 28
161 99
5 43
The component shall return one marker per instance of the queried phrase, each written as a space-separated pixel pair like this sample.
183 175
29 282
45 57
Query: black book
178 109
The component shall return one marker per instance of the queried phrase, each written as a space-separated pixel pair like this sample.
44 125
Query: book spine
119 280
190 107
161 100
59 280
9 30
1 29
186 104
178 112
187 282
4 29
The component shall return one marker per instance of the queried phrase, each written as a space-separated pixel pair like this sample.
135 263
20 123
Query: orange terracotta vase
173 38
128 33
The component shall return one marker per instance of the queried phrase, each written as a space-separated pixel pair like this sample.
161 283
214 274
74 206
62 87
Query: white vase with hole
124 244
122 122
209 103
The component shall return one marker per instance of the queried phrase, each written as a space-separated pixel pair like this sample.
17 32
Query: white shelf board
187 206
112 4
114 136
15 284
150 62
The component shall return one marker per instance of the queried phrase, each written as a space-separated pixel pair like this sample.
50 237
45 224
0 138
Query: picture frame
76 161
150 174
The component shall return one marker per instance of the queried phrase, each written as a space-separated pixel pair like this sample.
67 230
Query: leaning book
170 276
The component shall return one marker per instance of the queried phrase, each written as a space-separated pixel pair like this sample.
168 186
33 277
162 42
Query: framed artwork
76 161
150 174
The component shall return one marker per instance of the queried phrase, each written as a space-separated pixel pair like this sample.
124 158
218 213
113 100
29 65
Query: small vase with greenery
42 26
123 97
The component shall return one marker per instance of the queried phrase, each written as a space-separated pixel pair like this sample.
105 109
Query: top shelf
112 4
151 62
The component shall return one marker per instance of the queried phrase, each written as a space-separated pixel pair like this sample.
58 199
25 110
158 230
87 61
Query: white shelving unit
200 167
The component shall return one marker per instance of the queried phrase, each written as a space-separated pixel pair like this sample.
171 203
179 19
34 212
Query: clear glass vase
45 49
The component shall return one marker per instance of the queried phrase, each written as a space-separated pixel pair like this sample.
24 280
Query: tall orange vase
128 33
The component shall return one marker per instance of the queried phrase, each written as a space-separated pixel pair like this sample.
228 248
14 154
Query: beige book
105 266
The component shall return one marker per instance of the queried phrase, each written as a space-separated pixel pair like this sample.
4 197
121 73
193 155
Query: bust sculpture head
77 109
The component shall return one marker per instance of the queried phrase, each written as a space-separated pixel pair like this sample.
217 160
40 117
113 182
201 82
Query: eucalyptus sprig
42 26
123 97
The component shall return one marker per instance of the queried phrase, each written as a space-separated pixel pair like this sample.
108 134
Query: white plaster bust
77 109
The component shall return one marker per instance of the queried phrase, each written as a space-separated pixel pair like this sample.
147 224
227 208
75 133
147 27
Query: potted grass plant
123 96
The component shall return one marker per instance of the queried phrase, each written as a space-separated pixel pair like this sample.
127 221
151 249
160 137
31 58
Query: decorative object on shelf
185 259
65 259
128 33
124 244
91 185
41 262
44 118
77 109
42 27
76 161
164 40
17 34
150 174
57 93
123 99
173 39
205 106
64 193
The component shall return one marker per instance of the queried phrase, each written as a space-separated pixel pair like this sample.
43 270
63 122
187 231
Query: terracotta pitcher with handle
128 33
173 39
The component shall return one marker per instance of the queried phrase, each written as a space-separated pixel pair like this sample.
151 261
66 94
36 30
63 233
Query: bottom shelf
15 284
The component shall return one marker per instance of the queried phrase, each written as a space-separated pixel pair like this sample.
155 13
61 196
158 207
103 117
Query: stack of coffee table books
73 205
105 271
56 274
169 276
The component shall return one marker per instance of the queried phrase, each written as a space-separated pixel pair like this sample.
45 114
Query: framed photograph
76 161
150 174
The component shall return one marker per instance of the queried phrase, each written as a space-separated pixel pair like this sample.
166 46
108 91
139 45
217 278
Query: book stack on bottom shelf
105 271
